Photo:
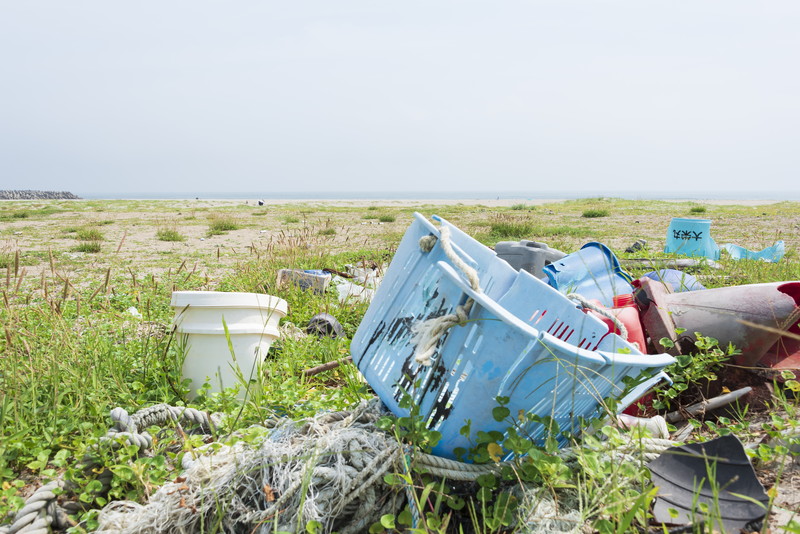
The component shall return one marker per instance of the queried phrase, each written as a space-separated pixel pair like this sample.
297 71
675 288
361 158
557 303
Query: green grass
291 219
512 230
169 234
327 231
387 218
521 207
697 209
516 230
89 234
594 213
221 224
92 247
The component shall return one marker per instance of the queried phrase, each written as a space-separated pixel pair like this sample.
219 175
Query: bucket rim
223 299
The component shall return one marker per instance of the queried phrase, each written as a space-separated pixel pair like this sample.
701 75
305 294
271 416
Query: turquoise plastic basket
523 340
691 237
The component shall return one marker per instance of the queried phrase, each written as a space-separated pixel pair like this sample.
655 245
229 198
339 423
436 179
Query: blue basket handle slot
465 263
503 315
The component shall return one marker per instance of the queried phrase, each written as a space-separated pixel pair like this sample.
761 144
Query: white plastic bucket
252 322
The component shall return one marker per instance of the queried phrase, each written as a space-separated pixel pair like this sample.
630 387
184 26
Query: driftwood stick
326 366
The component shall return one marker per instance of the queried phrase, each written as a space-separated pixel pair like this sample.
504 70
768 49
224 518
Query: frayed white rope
601 310
428 333
447 247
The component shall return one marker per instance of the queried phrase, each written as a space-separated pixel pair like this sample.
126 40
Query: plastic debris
707 405
594 272
736 315
771 254
716 474
313 279
456 327
359 283
530 256
677 280
683 264
638 245
691 237
133 311
657 425
325 324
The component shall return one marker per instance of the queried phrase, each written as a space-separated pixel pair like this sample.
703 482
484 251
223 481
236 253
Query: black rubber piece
325 324
682 476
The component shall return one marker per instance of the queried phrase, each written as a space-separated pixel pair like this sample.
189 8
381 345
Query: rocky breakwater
28 194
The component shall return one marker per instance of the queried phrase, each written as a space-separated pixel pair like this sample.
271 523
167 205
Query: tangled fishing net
329 469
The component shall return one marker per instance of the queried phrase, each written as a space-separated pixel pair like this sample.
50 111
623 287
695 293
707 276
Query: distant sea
448 195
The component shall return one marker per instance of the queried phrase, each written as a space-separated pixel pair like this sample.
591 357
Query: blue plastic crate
523 340
593 272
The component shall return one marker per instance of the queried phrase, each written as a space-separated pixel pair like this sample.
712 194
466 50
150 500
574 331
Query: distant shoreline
491 203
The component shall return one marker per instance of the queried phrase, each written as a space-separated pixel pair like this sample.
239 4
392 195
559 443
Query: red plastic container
628 314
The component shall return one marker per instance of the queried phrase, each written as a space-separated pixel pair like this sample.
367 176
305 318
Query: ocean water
446 195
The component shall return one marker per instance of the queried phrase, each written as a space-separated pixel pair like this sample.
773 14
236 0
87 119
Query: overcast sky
539 96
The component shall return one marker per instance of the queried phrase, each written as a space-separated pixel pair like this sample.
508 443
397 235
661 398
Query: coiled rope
427 334
329 469
41 510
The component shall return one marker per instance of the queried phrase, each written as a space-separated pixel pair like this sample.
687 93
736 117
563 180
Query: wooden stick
327 366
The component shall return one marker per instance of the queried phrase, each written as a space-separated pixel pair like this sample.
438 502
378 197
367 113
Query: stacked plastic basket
521 339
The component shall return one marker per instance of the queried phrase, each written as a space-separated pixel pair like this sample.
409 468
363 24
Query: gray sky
539 96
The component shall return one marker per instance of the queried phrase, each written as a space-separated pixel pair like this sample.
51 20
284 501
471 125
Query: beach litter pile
557 344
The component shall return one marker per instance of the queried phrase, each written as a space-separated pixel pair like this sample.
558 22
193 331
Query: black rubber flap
325 324
682 475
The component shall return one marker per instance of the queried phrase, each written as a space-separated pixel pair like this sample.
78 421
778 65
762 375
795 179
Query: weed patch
89 234
221 224
522 207
594 213
169 234
92 247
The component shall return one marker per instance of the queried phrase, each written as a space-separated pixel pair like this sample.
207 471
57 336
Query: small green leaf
313 527
500 413
405 517
387 521
786 374
384 423
456 503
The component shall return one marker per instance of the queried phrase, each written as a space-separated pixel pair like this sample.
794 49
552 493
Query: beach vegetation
594 213
221 223
86 333
386 218
91 247
169 234
88 234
